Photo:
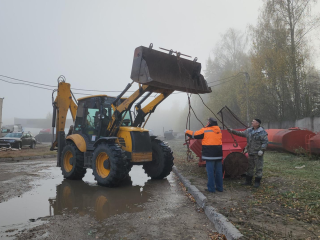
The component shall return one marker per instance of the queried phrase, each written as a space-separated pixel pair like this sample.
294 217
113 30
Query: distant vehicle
45 131
4 131
10 128
168 135
17 140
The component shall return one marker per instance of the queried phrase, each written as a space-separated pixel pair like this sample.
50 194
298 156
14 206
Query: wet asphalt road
36 200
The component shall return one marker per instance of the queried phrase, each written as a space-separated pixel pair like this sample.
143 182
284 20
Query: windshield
14 135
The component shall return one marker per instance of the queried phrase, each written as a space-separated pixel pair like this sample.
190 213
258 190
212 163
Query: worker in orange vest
211 152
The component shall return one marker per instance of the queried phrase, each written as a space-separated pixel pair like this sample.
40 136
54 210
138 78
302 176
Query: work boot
248 181
257 182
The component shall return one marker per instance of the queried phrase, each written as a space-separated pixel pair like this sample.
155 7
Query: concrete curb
221 223
18 159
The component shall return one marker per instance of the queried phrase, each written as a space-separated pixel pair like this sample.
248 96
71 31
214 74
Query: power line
25 84
30 85
223 82
225 78
88 90
16 79
46 85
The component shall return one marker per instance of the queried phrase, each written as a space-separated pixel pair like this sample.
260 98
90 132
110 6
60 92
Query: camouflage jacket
256 141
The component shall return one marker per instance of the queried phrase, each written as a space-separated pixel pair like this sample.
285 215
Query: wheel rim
66 161
100 160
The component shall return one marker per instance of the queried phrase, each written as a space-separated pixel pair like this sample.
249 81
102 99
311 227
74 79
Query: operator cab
93 116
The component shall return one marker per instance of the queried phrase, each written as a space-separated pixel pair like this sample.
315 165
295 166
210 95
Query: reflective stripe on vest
211 158
208 131
193 134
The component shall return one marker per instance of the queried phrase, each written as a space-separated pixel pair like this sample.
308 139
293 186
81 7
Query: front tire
109 164
162 160
72 163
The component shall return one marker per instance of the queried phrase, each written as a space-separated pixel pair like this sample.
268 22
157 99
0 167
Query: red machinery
233 157
289 139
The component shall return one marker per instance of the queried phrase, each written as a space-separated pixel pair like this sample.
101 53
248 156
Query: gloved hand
185 131
260 153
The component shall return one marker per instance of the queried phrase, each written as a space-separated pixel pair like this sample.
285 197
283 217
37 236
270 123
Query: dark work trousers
215 176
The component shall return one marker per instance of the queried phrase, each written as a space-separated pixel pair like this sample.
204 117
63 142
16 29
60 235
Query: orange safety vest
211 142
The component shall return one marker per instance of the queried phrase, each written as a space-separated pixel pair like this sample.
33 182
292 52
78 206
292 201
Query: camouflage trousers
255 162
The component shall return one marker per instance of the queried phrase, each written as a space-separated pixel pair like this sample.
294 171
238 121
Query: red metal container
315 144
272 141
289 139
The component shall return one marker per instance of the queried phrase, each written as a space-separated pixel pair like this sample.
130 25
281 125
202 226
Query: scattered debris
303 166
4 149
217 236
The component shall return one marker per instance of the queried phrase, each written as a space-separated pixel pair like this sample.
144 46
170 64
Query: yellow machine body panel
124 140
126 143
78 141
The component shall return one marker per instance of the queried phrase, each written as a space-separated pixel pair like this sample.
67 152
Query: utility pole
247 90
1 102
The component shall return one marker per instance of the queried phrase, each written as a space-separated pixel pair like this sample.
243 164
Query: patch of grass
283 165
291 187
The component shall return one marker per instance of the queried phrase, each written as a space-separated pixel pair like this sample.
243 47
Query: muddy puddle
54 195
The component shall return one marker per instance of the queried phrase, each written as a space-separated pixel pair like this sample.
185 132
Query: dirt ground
16 178
26 151
36 203
286 206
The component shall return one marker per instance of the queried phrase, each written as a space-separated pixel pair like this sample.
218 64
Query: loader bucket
162 70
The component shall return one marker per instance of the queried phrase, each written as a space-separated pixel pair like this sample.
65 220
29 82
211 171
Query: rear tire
72 162
33 145
162 160
109 164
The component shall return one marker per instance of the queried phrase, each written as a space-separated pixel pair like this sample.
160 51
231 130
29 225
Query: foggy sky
91 43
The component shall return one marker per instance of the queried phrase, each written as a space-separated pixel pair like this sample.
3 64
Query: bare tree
297 18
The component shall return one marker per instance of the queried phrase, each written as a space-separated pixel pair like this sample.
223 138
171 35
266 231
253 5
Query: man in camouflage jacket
257 141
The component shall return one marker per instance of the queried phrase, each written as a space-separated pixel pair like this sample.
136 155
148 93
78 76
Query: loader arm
126 105
149 108
119 109
62 103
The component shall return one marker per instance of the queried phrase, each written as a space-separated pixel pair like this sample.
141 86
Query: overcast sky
91 43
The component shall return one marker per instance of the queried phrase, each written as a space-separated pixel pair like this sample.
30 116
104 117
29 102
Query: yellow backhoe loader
106 136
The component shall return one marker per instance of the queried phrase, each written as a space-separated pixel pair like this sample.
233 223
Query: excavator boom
62 103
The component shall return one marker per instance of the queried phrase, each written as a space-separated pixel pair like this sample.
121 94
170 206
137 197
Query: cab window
127 119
